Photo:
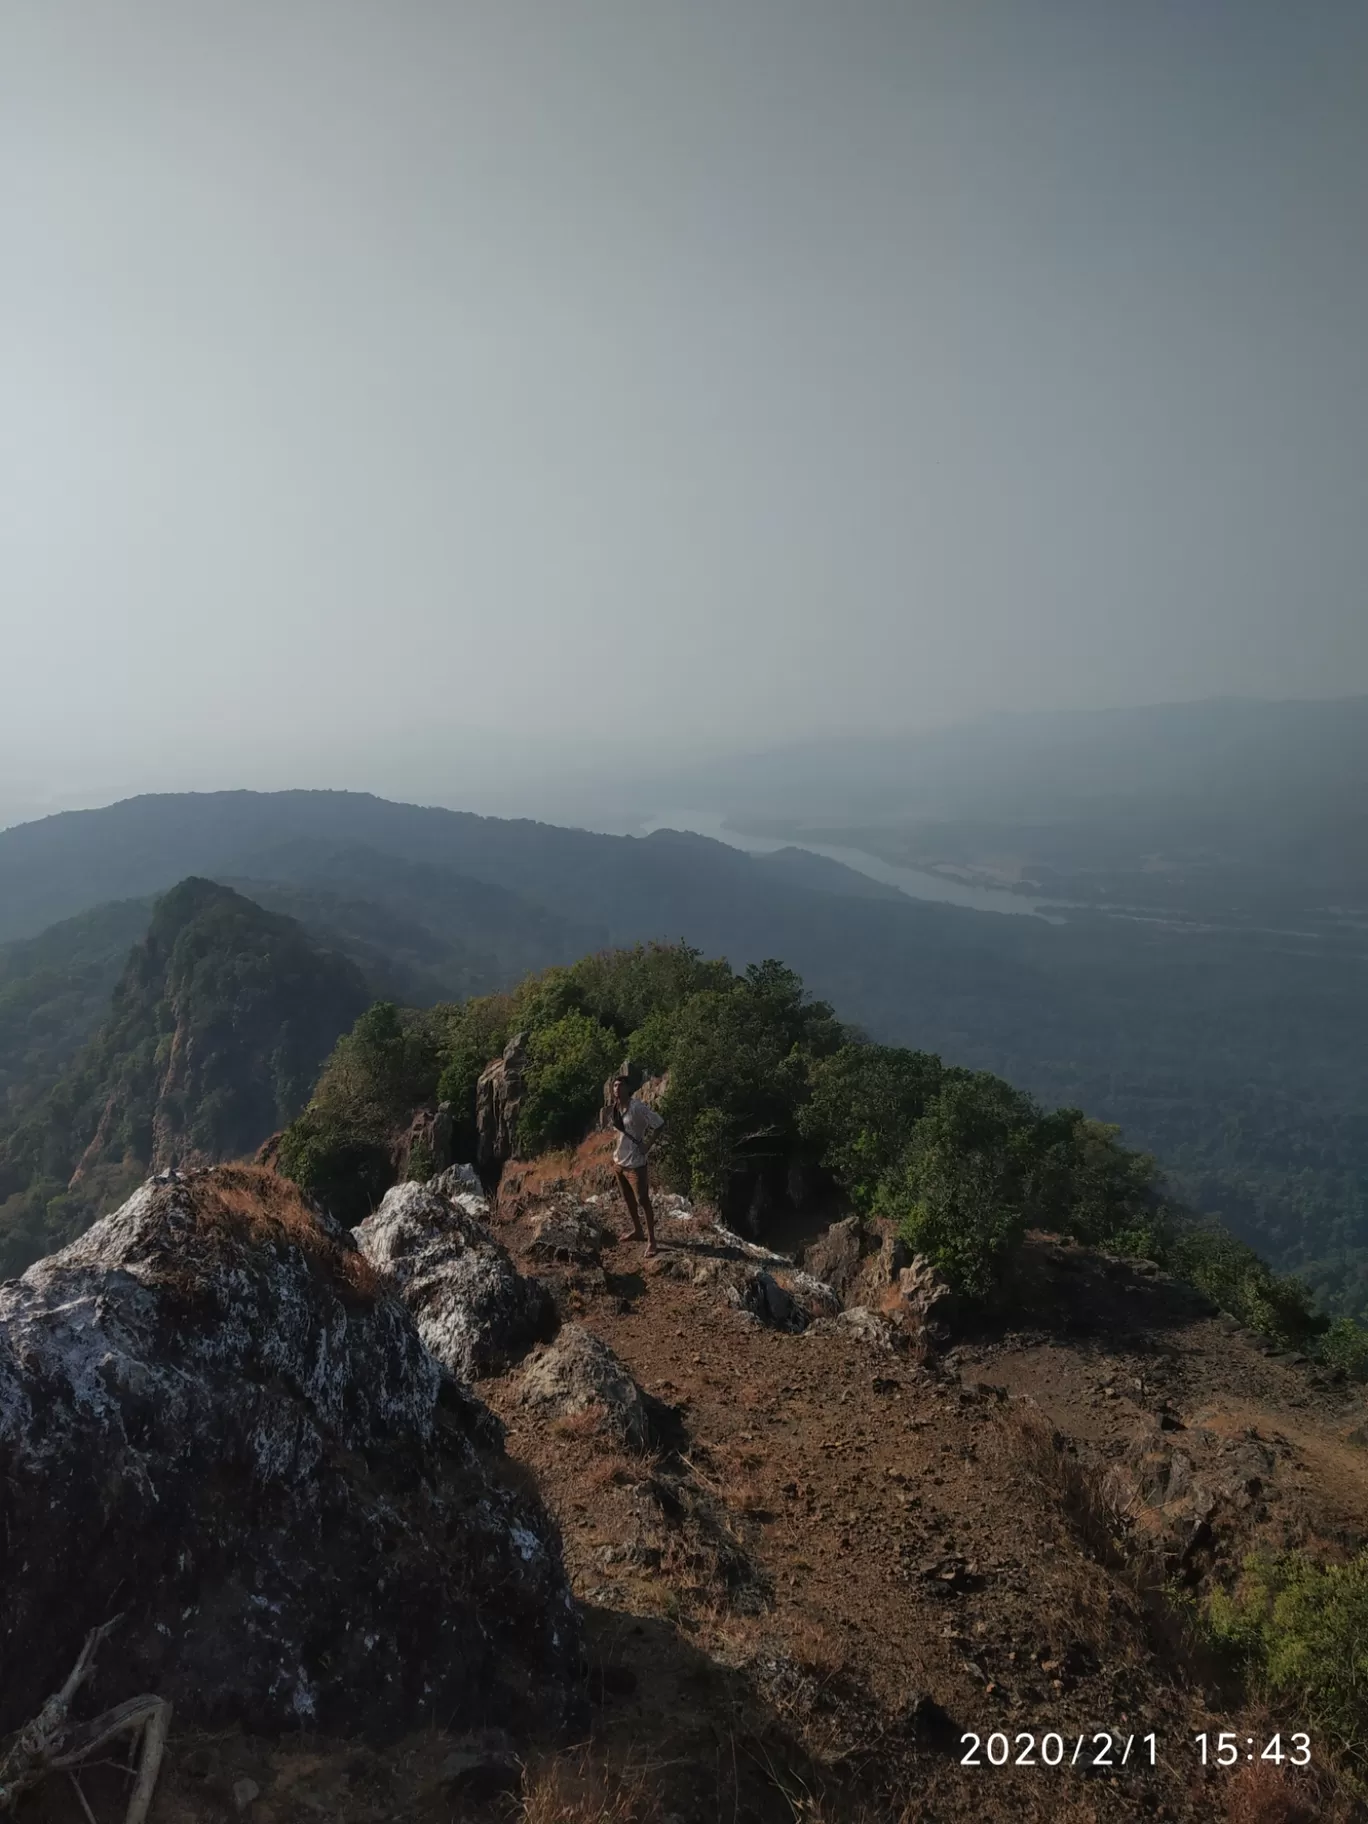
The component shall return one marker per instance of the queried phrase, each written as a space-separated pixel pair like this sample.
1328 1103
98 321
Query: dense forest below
1231 1054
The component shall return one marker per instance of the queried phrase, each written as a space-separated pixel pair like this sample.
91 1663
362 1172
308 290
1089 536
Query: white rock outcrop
216 1419
475 1311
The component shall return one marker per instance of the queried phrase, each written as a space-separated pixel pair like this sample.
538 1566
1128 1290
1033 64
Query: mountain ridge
215 1033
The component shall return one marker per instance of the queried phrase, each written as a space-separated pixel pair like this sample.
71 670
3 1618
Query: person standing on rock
634 1120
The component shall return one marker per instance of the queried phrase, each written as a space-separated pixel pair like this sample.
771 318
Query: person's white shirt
638 1120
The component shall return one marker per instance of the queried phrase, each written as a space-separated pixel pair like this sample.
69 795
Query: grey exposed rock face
926 1301
456 1180
570 1233
428 1137
474 1310
214 1418
835 1255
498 1097
578 1373
857 1261
757 1281
762 1296
785 1299
864 1326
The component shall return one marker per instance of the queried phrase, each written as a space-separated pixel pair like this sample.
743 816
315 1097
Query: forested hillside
1233 1055
772 1103
214 1036
54 991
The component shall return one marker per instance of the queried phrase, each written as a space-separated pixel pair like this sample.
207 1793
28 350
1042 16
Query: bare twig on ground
52 1743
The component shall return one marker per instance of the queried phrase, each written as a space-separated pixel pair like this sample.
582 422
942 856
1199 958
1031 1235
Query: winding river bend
915 882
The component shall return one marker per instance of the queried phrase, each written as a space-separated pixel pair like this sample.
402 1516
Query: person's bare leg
643 1186
629 1198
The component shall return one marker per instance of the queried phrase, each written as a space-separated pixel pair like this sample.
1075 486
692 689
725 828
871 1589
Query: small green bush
710 1151
383 1068
1303 1629
346 1168
862 1105
568 1064
421 1164
651 1046
1235 1278
470 1035
1345 1346
739 1063
624 989
1084 1183
959 1195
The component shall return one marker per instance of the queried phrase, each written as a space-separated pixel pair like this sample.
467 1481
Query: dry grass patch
1262 1793
583 1790
614 1469
250 1207
584 1170
1085 1496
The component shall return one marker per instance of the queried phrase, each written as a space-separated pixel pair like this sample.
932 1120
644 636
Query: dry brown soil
840 1563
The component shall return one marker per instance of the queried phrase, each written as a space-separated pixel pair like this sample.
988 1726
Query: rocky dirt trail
815 1537
915 1549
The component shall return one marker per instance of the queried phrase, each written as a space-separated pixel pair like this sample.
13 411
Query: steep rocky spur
217 1420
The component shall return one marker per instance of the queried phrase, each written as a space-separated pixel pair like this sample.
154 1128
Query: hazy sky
393 394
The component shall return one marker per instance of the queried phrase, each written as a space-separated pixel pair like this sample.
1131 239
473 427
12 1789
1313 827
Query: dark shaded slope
421 931
215 1035
54 990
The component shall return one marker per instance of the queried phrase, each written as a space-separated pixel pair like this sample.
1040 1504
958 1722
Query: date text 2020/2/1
1103 1749
1107 1748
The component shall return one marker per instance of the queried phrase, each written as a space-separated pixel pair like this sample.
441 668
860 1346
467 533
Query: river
915 882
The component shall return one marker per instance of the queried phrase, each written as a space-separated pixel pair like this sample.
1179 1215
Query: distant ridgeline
214 1037
1231 1051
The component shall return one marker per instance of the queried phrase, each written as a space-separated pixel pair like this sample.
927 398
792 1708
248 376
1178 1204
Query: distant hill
214 1037
581 885
421 931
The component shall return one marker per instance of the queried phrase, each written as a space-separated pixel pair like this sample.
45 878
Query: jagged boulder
926 1303
763 1285
498 1097
216 1419
760 1294
860 1261
782 1296
836 1254
571 1234
459 1181
424 1149
579 1373
474 1310
860 1324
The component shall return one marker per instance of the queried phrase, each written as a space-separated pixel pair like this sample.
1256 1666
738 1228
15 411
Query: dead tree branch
52 1743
